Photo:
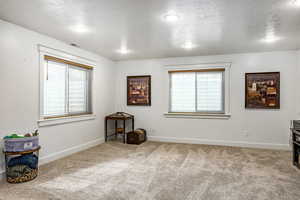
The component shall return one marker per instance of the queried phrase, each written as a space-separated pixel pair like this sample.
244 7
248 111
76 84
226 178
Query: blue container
21 144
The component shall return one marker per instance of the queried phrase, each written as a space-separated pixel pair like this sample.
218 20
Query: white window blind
197 91
55 89
209 91
66 89
183 92
78 80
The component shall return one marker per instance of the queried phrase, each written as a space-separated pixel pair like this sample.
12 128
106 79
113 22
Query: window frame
80 63
225 113
67 96
87 91
222 111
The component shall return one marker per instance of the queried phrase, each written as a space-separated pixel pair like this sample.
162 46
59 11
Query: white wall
265 128
19 97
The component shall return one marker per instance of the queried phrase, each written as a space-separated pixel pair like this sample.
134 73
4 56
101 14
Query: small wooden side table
119 116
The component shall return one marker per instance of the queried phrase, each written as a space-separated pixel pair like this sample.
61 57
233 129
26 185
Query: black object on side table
296 142
296 147
119 116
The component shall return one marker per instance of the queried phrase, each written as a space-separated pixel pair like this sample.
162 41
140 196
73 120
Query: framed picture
262 90
139 90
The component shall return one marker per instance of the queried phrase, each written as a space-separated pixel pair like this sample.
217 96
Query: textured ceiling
215 26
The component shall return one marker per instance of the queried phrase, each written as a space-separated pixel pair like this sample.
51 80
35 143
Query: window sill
197 115
64 120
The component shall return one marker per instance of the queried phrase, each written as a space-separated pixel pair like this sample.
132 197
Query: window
66 88
197 91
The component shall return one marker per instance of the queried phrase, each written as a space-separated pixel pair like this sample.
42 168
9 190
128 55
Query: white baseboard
220 142
72 150
55 156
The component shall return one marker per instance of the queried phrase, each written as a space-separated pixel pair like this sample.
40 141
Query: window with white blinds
199 91
78 83
55 89
67 88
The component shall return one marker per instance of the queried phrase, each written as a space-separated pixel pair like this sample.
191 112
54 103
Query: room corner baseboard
220 142
55 156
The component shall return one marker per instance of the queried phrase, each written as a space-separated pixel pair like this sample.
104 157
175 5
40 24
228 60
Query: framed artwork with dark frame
262 90
139 90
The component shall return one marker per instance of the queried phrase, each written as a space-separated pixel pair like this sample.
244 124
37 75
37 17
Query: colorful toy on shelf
36 133
14 135
27 135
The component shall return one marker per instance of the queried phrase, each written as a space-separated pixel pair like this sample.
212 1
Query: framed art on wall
139 90
262 90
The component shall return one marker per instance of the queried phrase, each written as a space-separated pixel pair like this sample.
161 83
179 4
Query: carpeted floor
163 171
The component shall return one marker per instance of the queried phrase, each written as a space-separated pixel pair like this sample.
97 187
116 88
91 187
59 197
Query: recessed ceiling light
188 45
123 50
296 3
79 29
171 16
270 38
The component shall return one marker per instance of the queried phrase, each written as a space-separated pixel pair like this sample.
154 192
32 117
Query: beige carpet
163 171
